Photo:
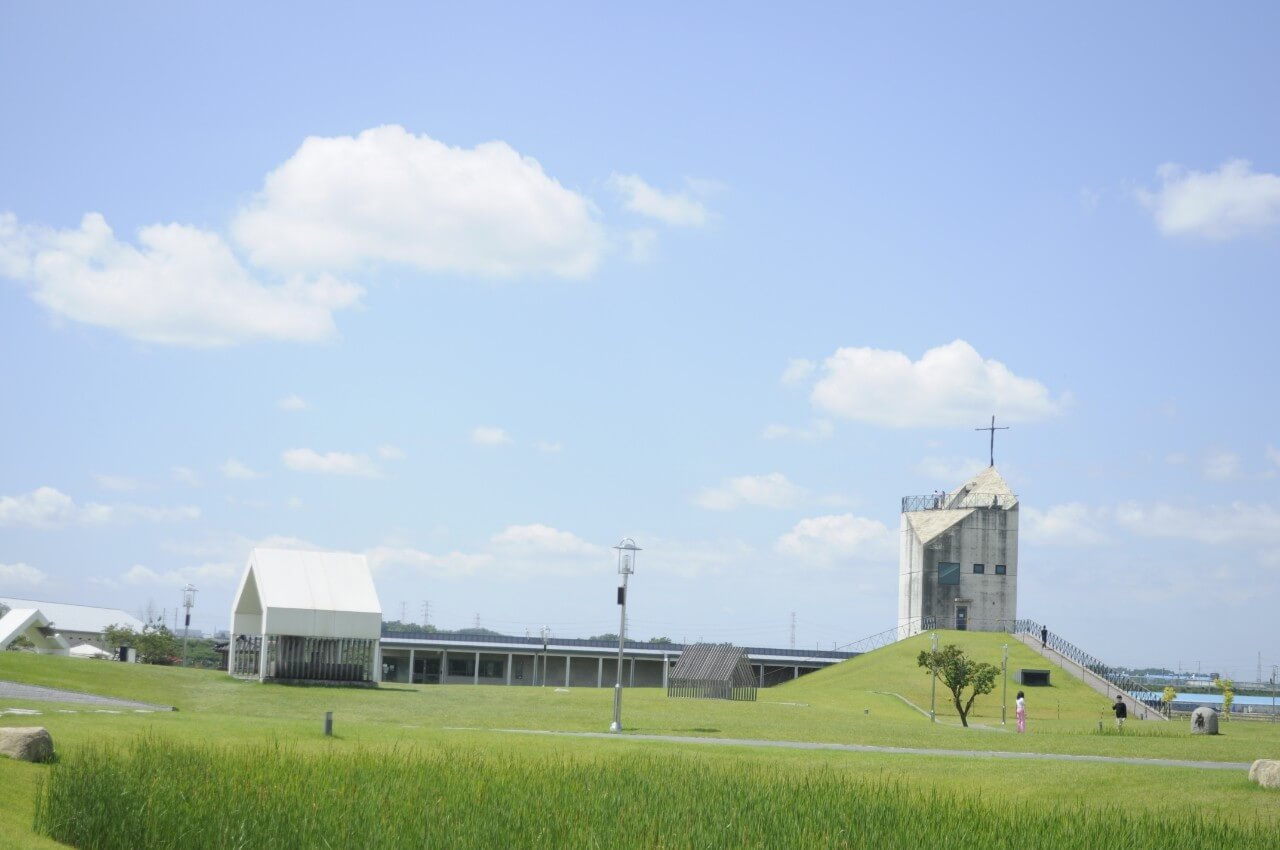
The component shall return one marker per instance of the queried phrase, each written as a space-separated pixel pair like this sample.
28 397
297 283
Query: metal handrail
957 501
1118 678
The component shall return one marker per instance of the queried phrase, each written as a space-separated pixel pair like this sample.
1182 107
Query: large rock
1204 721
1265 772
26 743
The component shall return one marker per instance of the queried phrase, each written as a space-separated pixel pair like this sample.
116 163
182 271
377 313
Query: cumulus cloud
770 491
1240 523
118 483
1225 204
226 574
1221 465
838 537
48 507
389 196
239 471
24 574
519 551
448 565
798 370
951 385
539 539
178 286
488 435
292 403
674 208
1071 524
333 463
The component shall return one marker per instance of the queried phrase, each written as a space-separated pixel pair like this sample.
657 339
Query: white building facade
958 562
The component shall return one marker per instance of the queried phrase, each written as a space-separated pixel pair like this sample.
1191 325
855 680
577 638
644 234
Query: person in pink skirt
1022 713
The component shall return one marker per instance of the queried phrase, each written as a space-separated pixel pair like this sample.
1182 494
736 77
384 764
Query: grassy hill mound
893 669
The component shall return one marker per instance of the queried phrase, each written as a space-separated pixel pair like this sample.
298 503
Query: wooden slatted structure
712 671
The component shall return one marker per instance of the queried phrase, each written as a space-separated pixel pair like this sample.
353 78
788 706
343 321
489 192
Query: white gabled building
958 564
306 617
77 623
33 625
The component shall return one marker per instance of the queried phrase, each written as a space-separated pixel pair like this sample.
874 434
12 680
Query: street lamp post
545 632
627 550
1004 694
933 688
1273 692
188 600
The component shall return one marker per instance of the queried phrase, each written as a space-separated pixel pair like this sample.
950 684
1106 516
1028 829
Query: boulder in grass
1265 772
26 743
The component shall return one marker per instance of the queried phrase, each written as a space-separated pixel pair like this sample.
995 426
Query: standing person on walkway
1122 711
1022 712
1044 636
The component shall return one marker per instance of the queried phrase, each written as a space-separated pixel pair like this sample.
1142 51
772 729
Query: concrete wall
987 536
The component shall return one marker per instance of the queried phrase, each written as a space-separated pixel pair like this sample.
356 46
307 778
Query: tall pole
545 631
1273 693
933 688
1004 696
188 600
622 639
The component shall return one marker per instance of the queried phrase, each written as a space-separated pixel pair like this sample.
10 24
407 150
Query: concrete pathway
866 748
16 690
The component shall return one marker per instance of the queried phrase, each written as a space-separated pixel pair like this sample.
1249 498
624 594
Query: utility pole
933 688
1004 695
477 619
426 611
188 600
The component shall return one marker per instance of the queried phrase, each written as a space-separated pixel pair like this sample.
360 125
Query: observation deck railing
1120 679
957 501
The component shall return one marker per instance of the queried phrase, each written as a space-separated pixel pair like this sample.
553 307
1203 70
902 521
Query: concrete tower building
958 563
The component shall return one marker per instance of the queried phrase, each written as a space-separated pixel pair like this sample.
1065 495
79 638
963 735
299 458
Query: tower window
948 573
1000 569
979 569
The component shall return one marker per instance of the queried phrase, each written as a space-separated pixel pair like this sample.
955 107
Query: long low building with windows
453 658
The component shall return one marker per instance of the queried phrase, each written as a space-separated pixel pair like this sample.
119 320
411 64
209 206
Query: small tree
1168 697
1228 696
958 672
116 636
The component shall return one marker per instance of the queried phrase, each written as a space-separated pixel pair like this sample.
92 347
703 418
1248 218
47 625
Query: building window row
949 571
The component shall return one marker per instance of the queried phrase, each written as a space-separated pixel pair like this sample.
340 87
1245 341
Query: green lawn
859 702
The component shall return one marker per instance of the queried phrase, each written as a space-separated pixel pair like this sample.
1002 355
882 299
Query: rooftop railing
958 501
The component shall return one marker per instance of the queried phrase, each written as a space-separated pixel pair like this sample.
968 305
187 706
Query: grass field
863 701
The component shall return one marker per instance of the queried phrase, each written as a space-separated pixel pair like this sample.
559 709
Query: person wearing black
1044 636
1121 710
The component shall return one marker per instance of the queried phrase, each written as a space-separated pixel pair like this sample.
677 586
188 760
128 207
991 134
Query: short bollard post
328 722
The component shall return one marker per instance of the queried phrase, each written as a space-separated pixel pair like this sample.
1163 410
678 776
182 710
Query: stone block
26 743
1265 772
1204 721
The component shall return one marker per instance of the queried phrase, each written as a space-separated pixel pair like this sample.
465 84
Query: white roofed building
77 623
31 624
305 616
958 565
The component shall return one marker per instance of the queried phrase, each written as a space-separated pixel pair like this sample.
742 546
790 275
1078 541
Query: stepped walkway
1083 666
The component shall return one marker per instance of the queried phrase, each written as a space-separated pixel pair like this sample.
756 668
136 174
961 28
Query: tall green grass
159 794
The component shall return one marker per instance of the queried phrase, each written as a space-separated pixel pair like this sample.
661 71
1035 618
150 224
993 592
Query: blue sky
478 292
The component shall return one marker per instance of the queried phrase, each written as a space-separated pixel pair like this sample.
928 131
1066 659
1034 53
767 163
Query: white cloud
547 447
673 208
950 469
519 551
448 565
24 574
770 491
1240 523
821 429
951 385
117 483
179 286
1221 465
335 463
240 471
643 243
388 196
838 537
538 539
390 452
1224 204
183 475
797 371
47 507
203 576
1071 524
292 403
488 435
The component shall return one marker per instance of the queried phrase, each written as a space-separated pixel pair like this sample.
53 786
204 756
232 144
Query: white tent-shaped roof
35 626
88 650
313 594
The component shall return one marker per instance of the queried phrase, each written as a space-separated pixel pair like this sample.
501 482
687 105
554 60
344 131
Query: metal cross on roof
992 428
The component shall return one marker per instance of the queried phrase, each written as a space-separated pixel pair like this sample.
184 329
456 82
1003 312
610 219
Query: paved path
866 748
16 690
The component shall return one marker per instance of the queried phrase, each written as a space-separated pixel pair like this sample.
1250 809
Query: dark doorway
962 618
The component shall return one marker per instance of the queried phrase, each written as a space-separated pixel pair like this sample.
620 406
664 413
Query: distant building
958 563
77 623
